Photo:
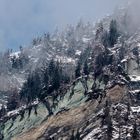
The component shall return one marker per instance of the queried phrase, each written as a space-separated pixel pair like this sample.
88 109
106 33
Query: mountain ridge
100 100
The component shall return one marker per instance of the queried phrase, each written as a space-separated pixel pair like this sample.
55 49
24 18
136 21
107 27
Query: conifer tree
31 88
51 68
105 39
135 132
12 101
77 137
2 111
86 68
113 33
46 79
77 70
56 77
37 84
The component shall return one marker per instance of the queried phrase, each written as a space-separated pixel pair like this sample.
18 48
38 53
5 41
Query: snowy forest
81 83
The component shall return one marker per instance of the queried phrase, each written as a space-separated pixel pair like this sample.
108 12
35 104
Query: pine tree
31 88
136 53
77 137
14 62
34 42
105 39
106 120
2 111
99 63
56 77
46 79
23 92
77 70
72 136
1 136
113 33
37 84
135 134
12 101
99 31
51 68
109 128
86 68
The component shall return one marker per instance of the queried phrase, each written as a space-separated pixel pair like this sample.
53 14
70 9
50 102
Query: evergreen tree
20 63
70 52
136 53
109 128
72 136
34 42
24 92
2 111
77 70
99 31
12 103
1 136
113 33
121 53
31 88
77 137
14 62
51 68
135 134
99 63
86 68
47 37
56 77
52 78
37 84
107 121
105 39
46 79
65 78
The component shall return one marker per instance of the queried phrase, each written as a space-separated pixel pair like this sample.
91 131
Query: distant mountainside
81 84
65 47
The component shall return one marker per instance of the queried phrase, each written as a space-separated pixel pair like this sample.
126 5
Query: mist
22 20
133 14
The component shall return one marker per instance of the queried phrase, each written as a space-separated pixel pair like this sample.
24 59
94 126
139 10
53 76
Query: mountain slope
102 99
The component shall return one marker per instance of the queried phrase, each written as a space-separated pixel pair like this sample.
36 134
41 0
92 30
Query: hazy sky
21 20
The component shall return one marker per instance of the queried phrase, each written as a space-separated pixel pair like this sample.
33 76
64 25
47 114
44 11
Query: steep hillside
83 84
65 47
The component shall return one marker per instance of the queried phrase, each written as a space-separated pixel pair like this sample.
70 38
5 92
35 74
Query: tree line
108 39
41 84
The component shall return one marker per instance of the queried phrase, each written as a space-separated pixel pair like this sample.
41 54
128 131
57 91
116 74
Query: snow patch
134 91
64 59
134 78
124 60
135 109
77 52
138 44
15 54
91 134
16 111
86 40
